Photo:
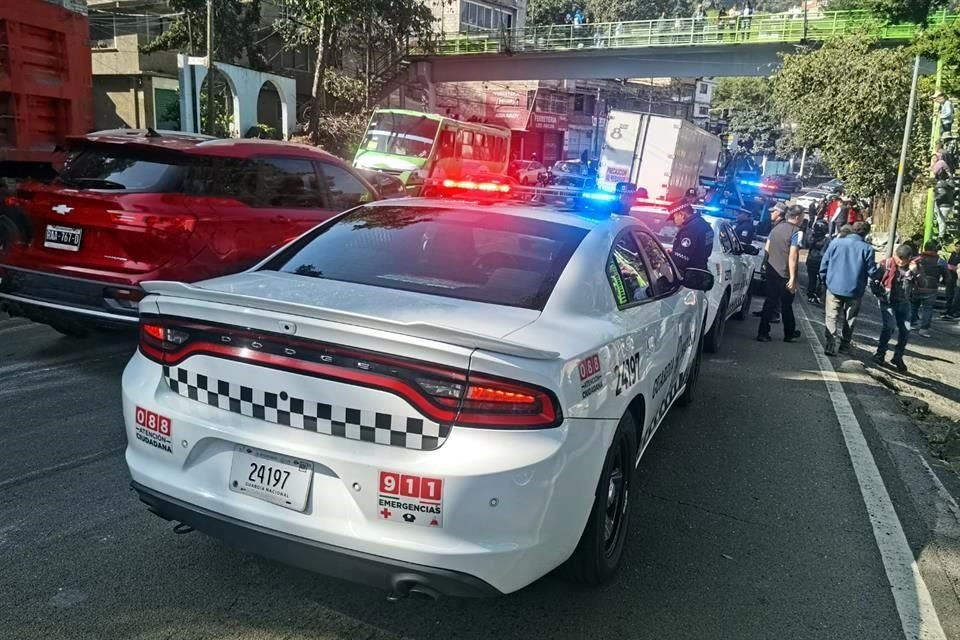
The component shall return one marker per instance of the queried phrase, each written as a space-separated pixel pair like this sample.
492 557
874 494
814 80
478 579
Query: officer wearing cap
694 240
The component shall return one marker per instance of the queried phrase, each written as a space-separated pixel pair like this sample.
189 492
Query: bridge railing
672 32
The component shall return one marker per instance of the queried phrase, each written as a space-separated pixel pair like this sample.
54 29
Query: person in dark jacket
816 246
953 290
847 264
931 268
693 243
745 229
893 295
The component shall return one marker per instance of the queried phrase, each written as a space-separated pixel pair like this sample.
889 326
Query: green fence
762 28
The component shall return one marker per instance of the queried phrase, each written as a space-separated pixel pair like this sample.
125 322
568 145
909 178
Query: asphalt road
751 524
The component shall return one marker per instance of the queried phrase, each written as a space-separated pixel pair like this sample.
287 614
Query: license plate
66 238
272 477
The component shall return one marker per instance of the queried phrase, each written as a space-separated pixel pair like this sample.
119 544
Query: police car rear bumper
391 575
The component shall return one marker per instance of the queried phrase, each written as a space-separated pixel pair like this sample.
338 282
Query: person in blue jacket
846 265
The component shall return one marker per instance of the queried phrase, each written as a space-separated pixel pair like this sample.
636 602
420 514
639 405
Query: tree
752 114
331 27
849 99
236 31
555 11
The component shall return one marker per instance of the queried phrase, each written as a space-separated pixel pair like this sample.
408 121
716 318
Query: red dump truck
45 84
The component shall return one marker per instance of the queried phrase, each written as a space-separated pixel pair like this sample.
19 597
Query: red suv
132 206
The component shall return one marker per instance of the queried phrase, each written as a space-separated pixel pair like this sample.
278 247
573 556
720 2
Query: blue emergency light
600 196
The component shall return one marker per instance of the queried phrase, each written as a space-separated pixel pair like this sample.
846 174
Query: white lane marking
918 617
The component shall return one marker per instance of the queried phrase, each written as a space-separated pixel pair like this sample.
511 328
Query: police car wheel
715 335
600 550
744 310
686 398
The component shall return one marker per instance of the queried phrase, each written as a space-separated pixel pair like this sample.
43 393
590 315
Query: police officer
745 229
694 240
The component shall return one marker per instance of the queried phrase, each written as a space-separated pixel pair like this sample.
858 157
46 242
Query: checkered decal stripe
671 393
299 413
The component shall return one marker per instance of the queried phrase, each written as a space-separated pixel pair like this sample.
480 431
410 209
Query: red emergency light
470 185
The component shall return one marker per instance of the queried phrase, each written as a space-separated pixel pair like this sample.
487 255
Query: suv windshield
122 170
471 255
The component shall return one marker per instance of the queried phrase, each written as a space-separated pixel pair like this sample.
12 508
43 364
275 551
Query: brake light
154 331
489 394
444 394
11 201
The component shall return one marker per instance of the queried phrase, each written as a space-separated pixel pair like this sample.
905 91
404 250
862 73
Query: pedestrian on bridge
893 293
945 113
847 264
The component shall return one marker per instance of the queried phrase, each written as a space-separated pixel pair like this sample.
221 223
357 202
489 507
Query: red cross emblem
434 523
386 513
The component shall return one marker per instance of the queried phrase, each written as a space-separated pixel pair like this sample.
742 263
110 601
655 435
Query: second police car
441 396
732 263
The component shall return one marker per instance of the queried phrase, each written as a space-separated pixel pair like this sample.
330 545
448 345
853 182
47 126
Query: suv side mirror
750 250
698 279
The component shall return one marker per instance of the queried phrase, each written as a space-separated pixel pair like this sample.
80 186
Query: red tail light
444 394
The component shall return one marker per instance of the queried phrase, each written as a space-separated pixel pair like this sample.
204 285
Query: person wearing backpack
816 247
893 293
931 268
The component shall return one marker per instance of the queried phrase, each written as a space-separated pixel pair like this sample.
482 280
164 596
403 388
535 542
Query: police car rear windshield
454 253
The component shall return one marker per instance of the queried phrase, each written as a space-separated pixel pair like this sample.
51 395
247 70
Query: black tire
744 310
714 338
686 398
600 550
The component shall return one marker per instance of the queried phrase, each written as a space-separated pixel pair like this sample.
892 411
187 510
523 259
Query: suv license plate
66 238
272 477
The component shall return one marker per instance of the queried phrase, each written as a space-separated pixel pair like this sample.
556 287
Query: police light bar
600 196
470 185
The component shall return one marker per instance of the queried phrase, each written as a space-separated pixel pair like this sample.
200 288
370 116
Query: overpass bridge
686 47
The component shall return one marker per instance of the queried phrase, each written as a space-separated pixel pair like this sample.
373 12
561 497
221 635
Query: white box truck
664 155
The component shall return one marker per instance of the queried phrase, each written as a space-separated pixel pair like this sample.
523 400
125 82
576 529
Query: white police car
430 395
732 263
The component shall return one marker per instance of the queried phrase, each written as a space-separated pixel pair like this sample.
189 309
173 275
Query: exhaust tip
406 585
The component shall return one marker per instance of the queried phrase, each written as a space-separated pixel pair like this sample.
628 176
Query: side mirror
626 187
750 250
698 279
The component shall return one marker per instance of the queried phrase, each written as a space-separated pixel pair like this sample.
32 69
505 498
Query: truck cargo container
666 156
45 84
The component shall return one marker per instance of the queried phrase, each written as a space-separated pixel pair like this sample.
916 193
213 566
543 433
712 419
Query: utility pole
898 192
934 138
211 96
